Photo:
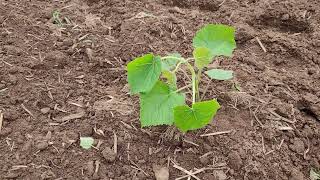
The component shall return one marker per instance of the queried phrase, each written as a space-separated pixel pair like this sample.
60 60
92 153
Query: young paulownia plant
162 102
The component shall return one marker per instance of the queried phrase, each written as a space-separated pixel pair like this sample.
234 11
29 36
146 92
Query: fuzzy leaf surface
201 113
156 106
86 142
220 74
216 37
170 63
171 79
202 56
143 73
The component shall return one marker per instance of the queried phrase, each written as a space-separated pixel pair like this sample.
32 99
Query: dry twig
216 133
1 120
29 112
261 45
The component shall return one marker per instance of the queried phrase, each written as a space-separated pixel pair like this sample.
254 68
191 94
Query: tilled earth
62 77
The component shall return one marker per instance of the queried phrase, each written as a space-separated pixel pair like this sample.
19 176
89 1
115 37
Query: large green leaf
220 74
156 106
143 73
201 113
218 38
202 56
169 64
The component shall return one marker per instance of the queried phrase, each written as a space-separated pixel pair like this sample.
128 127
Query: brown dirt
78 71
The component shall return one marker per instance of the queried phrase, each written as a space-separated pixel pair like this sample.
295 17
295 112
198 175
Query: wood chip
70 117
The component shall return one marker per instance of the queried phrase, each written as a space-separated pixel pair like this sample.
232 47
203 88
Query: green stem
193 82
172 57
198 78
177 67
182 88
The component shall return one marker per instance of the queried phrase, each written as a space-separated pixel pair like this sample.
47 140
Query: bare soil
62 81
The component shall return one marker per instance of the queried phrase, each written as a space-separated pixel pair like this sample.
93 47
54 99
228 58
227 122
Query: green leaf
202 56
143 73
169 64
201 113
171 79
220 74
218 38
314 175
86 142
157 105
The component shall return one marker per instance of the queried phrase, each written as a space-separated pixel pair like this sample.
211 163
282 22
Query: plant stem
193 82
182 88
177 67
172 57
198 78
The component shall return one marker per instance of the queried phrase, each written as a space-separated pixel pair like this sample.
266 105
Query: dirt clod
109 155
11 115
204 160
5 131
220 175
234 160
41 145
45 110
161 173
297 146
56 59
296 175
27 145
90 168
